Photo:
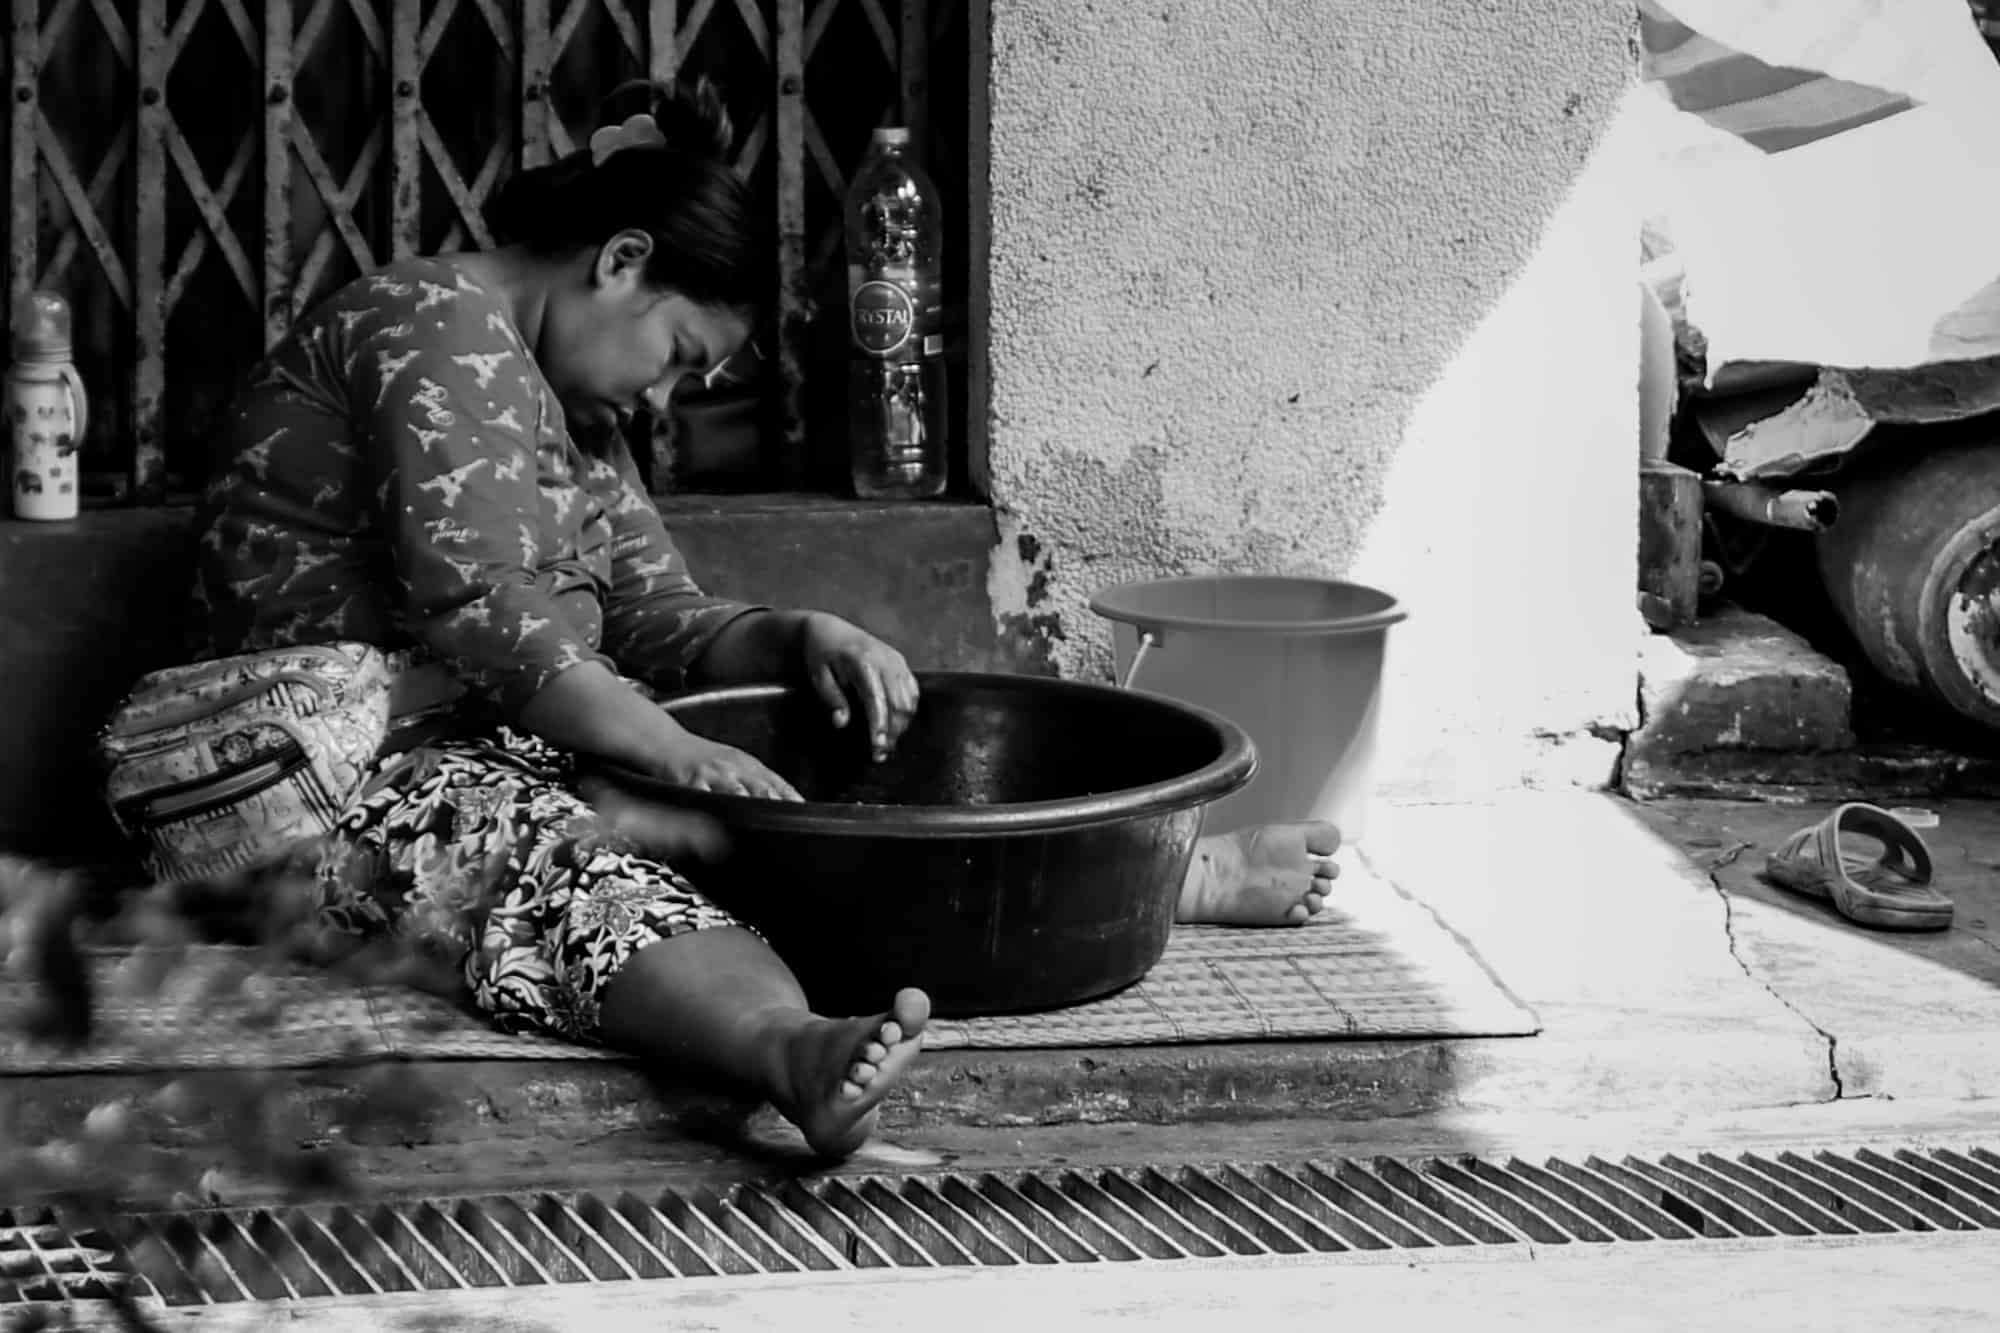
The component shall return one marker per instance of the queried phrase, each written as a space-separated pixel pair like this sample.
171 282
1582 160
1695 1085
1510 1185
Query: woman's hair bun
690 113
709 241
539 205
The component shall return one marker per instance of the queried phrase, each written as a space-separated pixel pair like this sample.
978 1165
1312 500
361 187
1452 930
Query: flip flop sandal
1892 892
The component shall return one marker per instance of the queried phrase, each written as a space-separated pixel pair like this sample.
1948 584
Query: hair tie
640 131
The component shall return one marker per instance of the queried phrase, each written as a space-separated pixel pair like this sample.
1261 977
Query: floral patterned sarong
478 848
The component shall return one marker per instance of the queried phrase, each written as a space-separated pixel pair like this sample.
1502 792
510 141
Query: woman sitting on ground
431 460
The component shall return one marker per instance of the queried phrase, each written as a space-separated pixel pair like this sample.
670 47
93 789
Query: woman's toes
860 1074
1296 914
911 1011
1314 901
1322 839
887 1035
874 1053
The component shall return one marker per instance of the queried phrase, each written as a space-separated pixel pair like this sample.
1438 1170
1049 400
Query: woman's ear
623 258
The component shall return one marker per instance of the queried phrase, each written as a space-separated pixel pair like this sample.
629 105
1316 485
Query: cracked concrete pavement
1668 975
1907 1014
1736 952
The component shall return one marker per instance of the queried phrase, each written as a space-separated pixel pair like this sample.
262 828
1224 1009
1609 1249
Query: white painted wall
1330 288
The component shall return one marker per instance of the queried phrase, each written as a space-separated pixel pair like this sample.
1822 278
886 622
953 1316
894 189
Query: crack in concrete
1729 932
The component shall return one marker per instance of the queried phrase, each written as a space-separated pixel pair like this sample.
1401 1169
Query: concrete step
1739 681
1664 986
489 1123
1741 708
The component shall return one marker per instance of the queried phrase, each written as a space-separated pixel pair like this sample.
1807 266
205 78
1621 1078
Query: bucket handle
1148 640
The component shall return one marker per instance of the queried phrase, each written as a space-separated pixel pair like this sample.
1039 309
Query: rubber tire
1894 563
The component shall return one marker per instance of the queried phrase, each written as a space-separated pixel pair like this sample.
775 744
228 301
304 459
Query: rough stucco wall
1340 289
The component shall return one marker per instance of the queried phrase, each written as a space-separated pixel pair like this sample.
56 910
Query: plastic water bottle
896 375
46 411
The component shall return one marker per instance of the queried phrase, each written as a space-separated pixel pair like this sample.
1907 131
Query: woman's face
620 345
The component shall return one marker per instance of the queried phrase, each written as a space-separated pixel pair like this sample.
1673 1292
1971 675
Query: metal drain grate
1078 1216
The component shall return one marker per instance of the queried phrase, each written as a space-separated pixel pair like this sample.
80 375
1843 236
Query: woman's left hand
851 668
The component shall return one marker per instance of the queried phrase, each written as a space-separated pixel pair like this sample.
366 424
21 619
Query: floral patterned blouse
402 476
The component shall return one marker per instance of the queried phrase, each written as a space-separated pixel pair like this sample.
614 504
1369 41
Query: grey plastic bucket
1296 662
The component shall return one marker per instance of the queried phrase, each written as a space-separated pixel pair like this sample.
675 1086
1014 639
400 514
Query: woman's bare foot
836 1071
1271 875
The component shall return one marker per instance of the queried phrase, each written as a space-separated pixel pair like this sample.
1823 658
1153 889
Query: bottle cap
41 328
893 136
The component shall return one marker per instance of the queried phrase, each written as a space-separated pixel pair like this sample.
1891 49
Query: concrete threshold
1671 985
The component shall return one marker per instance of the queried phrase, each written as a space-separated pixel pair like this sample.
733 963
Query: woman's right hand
590 711
705 765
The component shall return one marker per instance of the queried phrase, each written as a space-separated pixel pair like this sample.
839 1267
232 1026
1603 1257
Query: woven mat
1375 964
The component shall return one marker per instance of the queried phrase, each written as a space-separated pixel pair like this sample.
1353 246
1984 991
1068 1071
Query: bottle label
884 317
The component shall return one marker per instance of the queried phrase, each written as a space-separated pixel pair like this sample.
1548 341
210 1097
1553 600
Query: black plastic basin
1021 850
